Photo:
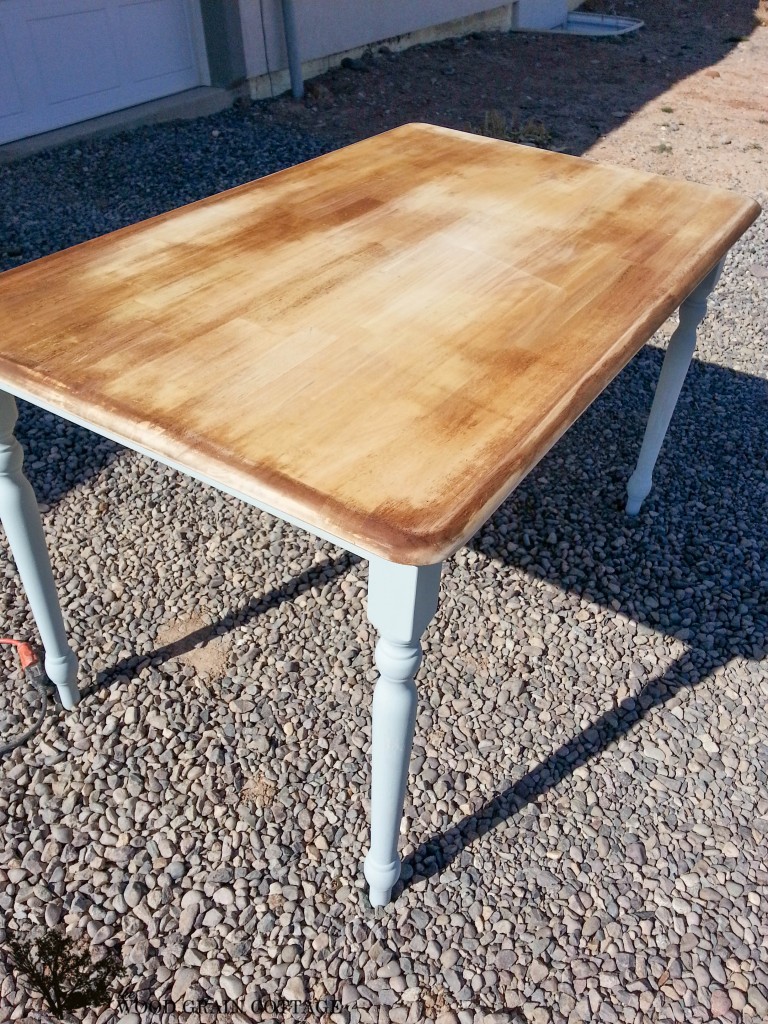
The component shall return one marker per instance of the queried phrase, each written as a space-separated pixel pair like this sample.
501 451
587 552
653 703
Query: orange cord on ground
33 670
26 652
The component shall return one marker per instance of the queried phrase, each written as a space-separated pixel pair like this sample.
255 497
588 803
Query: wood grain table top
379 343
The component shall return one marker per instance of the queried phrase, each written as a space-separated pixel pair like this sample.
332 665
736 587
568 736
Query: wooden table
376 346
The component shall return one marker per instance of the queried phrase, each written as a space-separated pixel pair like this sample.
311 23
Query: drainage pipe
292 45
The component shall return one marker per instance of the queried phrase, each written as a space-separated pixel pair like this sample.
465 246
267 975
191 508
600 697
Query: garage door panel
74 54
63 61
158 36
10 94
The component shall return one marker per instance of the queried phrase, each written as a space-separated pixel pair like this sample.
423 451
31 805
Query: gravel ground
587 825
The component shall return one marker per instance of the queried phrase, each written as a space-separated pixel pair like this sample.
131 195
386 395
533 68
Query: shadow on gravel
616 77
129 668
688 566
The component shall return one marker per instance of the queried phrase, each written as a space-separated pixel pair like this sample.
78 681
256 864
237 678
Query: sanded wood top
380 342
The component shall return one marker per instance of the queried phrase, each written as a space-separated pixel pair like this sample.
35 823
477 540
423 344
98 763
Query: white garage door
63 61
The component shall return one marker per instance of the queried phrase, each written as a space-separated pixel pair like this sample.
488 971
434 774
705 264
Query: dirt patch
686 96
193 641
258 791
710 126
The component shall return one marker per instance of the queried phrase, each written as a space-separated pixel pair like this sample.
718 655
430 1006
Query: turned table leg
401 601
673 371
21 519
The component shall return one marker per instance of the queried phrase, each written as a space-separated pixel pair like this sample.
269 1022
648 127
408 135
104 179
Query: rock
134 893
538 971
717 972
720 1003
390 970
636 853
232 986
187 918
53 912
583 969
212 917
294 990
224 896
192 897
758 1001
184 978
446 1017
349 994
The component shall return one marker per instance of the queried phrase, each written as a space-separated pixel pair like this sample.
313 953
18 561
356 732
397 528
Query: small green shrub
530 133
61 970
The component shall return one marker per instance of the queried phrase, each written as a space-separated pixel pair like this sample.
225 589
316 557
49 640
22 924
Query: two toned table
375 346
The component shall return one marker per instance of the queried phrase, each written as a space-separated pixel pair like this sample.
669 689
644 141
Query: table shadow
583 96
688 566
128 668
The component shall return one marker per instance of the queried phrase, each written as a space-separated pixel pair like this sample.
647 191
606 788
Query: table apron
21 393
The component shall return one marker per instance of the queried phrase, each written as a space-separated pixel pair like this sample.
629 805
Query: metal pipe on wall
292 46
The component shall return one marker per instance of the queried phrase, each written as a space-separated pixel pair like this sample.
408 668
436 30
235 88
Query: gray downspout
292 45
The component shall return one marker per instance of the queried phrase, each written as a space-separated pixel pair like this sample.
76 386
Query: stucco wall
331 27
328 27
535 14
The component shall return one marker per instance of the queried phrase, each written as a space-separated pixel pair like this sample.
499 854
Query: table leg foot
380 897
673 371
24 529
401 601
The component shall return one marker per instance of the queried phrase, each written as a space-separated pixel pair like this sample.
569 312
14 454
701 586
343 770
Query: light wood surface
381 342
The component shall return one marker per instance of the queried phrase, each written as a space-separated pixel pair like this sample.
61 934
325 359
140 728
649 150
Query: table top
379 343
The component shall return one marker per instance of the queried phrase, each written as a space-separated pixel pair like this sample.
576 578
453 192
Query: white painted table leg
673 371
24 529
401 601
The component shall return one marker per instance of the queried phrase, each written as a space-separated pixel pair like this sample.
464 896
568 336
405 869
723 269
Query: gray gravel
587 825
